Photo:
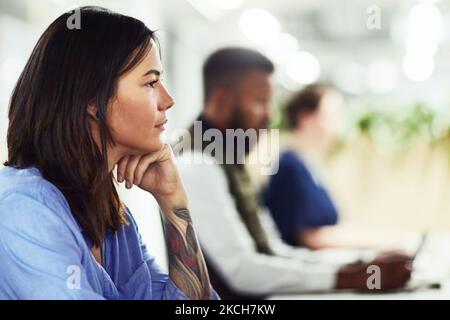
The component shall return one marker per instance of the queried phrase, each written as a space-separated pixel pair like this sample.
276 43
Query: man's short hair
227 65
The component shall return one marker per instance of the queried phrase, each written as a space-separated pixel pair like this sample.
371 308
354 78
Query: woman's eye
152 83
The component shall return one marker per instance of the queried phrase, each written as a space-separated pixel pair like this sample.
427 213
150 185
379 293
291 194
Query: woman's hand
156 173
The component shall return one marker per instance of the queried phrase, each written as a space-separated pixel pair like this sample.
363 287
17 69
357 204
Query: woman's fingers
166 152
129 173
142 167
148 160
121 168
133 168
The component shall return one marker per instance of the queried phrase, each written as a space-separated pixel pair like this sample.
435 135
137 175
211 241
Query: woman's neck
114 153
308 146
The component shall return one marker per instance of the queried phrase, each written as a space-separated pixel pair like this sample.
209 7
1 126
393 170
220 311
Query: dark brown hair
304 102
49 125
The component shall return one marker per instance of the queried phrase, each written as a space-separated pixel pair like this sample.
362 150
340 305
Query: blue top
296 200
44 254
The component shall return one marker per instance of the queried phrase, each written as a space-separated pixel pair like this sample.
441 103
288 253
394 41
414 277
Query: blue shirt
295 200
44 253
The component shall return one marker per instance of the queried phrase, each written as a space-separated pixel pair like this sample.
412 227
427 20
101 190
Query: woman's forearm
187 267
157 173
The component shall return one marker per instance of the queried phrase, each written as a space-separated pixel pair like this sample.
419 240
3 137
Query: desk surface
430 294
433 264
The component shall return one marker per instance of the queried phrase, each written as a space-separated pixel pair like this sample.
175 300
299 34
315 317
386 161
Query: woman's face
329 118
137 114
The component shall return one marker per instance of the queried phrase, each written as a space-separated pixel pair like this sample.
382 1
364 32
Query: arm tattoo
187 267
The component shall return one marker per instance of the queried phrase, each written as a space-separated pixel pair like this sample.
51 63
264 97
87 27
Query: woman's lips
161 125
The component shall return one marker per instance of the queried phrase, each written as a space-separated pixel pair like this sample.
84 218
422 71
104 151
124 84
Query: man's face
252 101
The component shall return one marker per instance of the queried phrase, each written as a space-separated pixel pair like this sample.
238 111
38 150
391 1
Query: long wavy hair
49 127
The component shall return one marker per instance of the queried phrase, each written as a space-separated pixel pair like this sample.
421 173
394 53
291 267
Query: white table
432 294
432 264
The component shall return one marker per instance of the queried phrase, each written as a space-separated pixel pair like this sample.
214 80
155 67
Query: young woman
298 199
90 99
304 210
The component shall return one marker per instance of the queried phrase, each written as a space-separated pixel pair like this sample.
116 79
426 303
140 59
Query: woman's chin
145 148
154 146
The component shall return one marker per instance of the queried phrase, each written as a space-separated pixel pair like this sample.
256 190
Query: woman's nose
168 101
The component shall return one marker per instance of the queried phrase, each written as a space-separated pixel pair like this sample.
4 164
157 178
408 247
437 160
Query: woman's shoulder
290 159
26 188
28 181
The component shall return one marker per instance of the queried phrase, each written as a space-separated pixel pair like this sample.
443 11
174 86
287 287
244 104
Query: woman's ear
92 110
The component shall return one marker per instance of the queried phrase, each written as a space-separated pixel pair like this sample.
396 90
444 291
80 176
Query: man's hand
395 271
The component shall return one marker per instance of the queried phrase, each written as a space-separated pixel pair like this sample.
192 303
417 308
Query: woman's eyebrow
153 71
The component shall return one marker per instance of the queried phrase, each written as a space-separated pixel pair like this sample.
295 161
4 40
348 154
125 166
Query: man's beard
238 122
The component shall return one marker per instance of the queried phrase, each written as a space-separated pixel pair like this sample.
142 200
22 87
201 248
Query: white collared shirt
230 248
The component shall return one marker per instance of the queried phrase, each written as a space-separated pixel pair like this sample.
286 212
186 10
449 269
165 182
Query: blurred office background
391 60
